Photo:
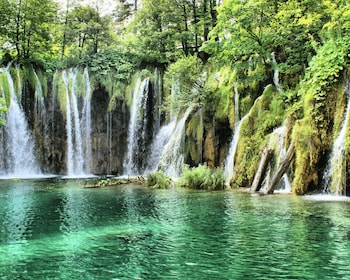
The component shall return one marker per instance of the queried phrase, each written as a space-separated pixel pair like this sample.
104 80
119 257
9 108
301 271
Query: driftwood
259 175
282 168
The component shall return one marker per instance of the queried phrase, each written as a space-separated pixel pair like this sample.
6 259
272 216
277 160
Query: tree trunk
282 168
184 40
259 175
18 26
195 23
64 41
205 24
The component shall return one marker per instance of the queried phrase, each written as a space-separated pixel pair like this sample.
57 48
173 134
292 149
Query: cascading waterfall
171 159
78 130
110 138
157 97
229 162
275 73
137 128
335 176
19 158
236 99
230 159
163 135
40 108
280 149
159 142
86 121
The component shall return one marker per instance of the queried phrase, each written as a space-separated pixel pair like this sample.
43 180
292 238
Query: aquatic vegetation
202 178
158 180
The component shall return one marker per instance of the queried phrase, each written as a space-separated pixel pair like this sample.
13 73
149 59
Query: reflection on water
58 230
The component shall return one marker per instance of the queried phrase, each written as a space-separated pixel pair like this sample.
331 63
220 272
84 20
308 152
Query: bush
3 111
158 180
202 178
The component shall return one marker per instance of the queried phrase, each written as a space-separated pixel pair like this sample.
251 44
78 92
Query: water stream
275 73
137 127
229 162
335 176
18 150
171 159
78 125
277 142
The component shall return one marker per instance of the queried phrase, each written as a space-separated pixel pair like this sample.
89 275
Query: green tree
256 29
34 20
6 14
167 29
85 31
187 73
122 11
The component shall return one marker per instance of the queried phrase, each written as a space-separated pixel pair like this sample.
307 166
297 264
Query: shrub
3 111
202 178
158 180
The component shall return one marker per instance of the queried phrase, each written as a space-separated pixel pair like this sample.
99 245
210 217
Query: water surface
58 230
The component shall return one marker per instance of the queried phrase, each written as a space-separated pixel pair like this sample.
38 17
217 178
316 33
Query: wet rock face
108 134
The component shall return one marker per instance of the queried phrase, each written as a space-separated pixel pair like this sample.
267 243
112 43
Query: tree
167 29
256 29
33 22
86 29
122 11
6 14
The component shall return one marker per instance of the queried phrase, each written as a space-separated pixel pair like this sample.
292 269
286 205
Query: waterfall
40 108
236 99
137 128
109 139
78 128
19 158
86 121
229 162
230 158
275 73
156 158
39 98
175 89
159 142
335 176
171 158
157 97
278 143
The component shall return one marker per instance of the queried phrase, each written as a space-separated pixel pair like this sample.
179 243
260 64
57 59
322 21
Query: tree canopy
252 36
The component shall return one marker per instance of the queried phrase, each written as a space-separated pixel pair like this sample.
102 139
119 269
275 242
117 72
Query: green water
58 230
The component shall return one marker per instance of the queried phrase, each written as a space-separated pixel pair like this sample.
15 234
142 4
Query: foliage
202 178
187 74
5 90
103 183
28 29
158 180
83 32
254 29
168 29
319 92
3 110
267 113
111 68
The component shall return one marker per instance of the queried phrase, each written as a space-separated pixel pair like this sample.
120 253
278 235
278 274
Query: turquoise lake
55 229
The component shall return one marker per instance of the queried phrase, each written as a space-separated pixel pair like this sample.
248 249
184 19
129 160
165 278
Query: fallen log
282 168
259 175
